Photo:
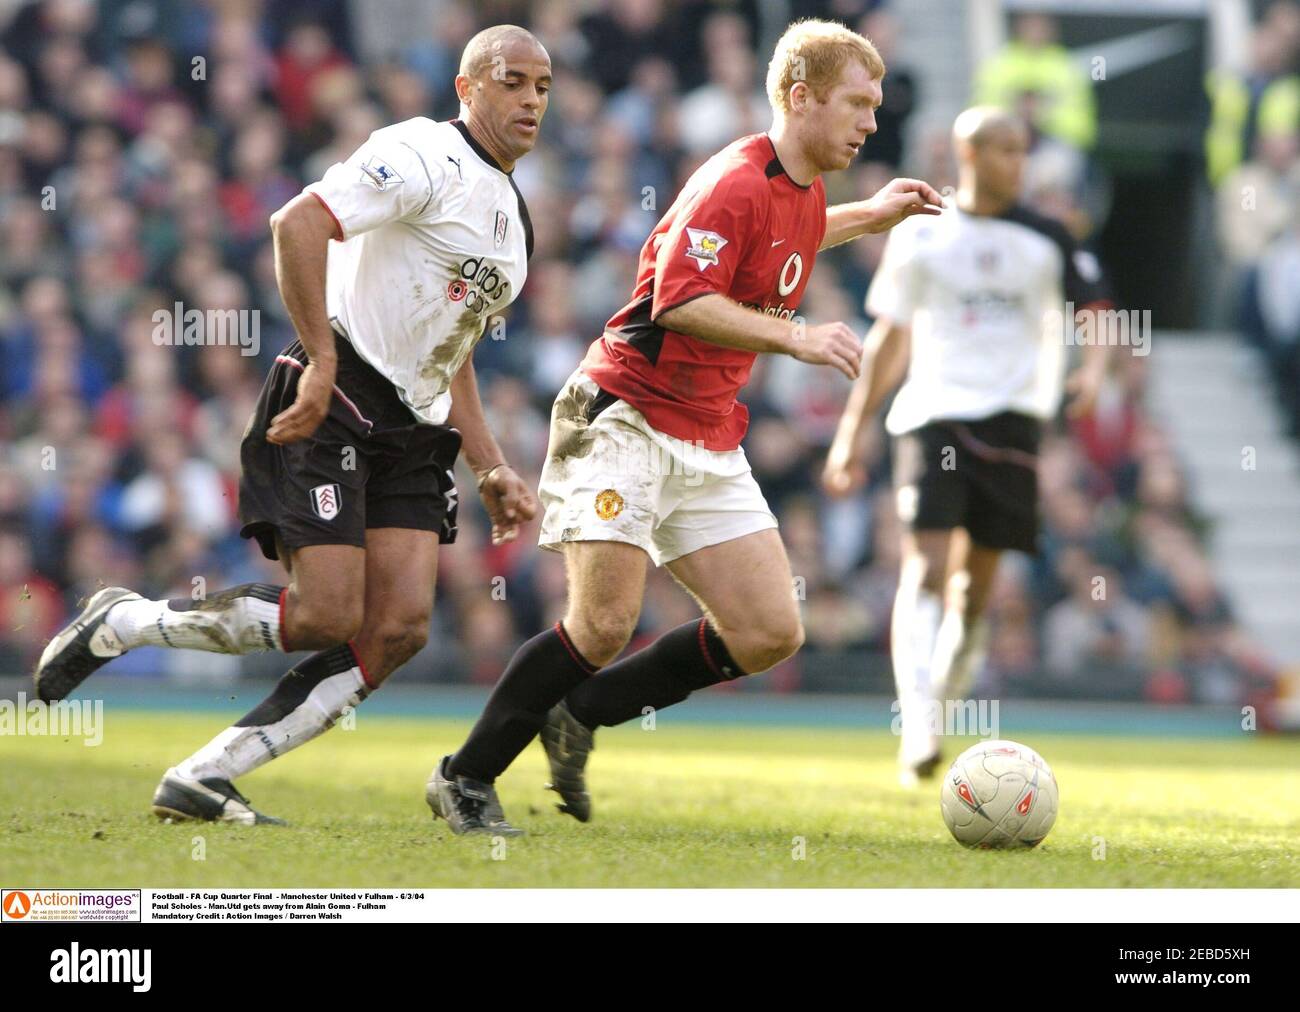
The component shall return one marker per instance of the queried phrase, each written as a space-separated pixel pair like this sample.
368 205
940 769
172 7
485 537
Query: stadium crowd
1252 153
143 146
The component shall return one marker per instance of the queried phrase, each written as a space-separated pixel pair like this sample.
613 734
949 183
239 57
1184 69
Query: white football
999 794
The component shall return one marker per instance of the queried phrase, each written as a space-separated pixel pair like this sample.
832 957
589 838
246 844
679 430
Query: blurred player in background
644 462
972 310
347 461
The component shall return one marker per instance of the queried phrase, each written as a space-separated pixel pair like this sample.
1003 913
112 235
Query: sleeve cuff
329 210
655 314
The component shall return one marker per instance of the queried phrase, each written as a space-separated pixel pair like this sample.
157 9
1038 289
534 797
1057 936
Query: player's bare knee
401 642
601 636
318 625
766 644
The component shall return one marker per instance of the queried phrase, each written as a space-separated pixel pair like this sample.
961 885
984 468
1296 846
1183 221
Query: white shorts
616 478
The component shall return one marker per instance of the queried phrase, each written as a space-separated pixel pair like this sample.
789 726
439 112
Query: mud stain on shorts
571 437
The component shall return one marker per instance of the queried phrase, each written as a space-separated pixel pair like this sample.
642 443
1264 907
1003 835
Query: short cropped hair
483 48
816 52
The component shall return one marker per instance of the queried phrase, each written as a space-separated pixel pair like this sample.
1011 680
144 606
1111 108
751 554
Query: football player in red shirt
644 461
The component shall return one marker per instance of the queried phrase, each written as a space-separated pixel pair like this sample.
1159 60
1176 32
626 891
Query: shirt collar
476 147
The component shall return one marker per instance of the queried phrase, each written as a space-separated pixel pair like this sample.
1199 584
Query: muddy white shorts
611 476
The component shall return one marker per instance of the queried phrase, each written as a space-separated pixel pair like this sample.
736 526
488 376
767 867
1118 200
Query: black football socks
539 675
679 662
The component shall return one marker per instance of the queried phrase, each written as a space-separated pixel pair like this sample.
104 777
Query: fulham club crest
325 501
499 234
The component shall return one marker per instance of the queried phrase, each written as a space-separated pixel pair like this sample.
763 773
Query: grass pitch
680 806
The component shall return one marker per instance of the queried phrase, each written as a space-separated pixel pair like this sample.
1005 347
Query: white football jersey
436 240
984 296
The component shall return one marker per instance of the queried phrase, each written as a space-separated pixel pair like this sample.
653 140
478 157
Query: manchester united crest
609 504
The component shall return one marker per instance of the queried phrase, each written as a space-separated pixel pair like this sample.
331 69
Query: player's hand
1083 385
301 418
832 344
842 473
509 503
899 199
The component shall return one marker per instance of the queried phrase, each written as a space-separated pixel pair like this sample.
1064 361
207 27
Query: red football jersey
741 228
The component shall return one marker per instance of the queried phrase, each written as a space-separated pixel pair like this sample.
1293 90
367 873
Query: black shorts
980 475
369 464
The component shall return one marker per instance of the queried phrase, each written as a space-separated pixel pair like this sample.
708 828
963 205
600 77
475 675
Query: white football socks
913 633
958 655
243 620
306 703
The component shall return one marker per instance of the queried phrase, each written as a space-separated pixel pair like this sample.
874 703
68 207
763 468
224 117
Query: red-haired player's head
824 83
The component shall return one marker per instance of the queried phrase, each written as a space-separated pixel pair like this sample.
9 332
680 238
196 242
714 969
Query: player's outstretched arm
899 199
884 364
718 320
301 231
506 496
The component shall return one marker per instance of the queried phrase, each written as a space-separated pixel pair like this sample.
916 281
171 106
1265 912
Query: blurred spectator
731 105
900 90
1271 313
1097 632
1034 63
30 607
1261 100
619 34
1257 201
307 54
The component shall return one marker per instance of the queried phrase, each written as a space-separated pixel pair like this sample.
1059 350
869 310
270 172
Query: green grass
680 806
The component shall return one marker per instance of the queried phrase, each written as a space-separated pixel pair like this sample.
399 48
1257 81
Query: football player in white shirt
969 307
390 267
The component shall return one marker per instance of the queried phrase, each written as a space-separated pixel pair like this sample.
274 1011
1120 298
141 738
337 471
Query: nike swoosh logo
777 243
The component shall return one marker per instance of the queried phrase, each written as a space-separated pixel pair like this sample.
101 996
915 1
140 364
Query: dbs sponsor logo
484 285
